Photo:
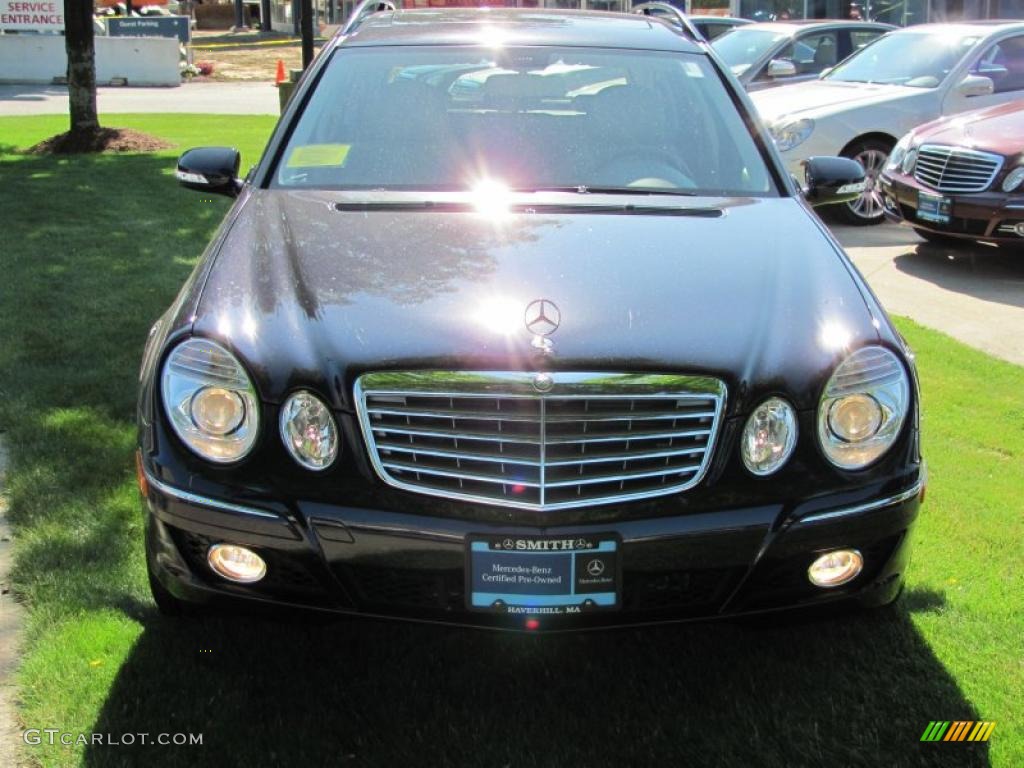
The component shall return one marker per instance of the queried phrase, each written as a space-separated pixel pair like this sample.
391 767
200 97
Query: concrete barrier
128 60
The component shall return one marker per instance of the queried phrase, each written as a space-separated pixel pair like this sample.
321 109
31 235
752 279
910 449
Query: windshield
914 59
741 48
443 118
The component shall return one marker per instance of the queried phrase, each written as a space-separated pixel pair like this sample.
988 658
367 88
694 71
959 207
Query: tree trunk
79 40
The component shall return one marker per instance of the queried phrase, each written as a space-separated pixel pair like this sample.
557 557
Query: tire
867 210
937 238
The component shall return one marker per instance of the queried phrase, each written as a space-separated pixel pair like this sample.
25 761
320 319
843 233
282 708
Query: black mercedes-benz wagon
520 323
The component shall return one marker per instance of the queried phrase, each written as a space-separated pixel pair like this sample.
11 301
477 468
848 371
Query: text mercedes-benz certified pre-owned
470 348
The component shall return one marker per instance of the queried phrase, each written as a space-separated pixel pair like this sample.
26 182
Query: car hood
822 98
995 129
752 291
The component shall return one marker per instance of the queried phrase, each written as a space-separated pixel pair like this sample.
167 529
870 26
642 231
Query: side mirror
210 169
824 72
781 68
831 180
976 85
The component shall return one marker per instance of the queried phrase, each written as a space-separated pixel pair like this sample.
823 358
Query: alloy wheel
869 205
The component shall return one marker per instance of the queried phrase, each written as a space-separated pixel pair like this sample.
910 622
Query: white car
861 107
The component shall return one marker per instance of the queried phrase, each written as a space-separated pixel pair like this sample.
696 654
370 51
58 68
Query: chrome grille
594 438
955 169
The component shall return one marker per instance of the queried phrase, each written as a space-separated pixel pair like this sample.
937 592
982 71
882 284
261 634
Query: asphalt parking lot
975 293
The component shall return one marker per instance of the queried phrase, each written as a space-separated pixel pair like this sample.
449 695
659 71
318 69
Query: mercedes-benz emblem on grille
595 567
542 382
542 317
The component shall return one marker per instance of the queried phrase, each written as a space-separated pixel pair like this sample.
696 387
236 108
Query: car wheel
937 238
868 208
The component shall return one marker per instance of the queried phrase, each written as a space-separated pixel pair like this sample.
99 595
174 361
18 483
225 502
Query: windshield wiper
585 189
574 206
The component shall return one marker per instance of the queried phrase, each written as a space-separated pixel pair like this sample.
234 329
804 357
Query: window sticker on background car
319 156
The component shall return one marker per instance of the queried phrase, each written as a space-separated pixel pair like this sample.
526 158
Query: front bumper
988 216
390 564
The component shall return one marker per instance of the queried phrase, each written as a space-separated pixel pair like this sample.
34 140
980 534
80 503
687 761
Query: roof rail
366 9
676 18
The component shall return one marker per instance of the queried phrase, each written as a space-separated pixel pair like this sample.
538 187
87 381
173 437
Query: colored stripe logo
958 730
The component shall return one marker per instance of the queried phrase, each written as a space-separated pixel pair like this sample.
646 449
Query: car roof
720 19
799 25
965 27
517 26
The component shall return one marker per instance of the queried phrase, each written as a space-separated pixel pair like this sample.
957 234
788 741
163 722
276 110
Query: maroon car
961 177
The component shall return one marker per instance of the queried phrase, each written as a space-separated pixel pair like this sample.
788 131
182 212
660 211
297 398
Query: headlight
1013 179
769 436
909 159
899 152
863 408
210 401
791 134
308 431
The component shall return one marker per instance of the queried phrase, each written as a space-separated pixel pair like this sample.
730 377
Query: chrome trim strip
436 472
204 501
519 384
868 506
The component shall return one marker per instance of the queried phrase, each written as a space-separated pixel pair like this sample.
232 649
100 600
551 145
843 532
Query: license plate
543 574
934 208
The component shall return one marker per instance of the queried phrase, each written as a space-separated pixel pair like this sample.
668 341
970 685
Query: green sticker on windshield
319 156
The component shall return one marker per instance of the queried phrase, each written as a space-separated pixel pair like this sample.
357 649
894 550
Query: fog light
236 563
833 569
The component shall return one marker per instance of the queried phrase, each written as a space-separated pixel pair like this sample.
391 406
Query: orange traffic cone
281 75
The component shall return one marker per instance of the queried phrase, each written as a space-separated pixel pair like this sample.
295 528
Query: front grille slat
621 477
498 458
582 462
478 477
420 414
627 436
506 437
956 169
594 438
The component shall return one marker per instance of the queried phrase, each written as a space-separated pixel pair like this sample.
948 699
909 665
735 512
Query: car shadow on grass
792 691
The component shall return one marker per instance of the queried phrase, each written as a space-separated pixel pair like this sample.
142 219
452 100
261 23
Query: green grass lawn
94 248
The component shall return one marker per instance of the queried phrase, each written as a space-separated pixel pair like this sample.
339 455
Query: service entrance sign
40 15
